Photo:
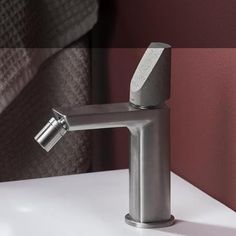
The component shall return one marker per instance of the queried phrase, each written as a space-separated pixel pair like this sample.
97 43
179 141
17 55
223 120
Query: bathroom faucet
147 118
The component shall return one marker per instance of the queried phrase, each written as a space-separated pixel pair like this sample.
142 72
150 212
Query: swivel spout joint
147 118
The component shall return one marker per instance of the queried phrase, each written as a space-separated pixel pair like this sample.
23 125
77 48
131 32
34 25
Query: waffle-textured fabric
63 80
38 71
33 30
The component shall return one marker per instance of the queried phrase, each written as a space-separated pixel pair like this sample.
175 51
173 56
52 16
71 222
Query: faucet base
158 224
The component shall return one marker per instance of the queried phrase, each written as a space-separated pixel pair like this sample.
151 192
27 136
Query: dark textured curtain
62 80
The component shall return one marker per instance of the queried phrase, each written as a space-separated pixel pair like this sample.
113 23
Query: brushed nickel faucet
147 118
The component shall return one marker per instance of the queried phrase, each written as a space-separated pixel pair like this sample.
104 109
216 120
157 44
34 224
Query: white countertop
96 203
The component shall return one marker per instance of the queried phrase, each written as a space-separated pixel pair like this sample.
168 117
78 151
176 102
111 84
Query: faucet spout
102 116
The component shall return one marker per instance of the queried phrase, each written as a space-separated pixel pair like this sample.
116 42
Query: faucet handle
150 85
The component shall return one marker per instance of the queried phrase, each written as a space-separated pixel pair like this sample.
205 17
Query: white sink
96 203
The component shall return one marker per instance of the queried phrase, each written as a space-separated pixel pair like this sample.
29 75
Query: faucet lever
150 85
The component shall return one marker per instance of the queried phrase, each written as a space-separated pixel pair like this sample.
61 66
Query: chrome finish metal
51 133
149 193
158 224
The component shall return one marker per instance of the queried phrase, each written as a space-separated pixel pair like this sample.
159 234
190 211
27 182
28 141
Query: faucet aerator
51 133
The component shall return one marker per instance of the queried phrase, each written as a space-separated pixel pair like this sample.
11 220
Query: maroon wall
203 123
203 90
182 23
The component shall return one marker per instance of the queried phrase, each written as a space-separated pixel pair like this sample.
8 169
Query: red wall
182 23
203 123
203 89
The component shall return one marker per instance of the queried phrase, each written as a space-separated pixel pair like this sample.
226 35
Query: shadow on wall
103 31
187 228
112 72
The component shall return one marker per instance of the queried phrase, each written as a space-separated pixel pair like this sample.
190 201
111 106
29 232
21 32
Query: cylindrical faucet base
158 224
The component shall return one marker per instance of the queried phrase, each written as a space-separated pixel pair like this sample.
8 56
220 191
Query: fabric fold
33 31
